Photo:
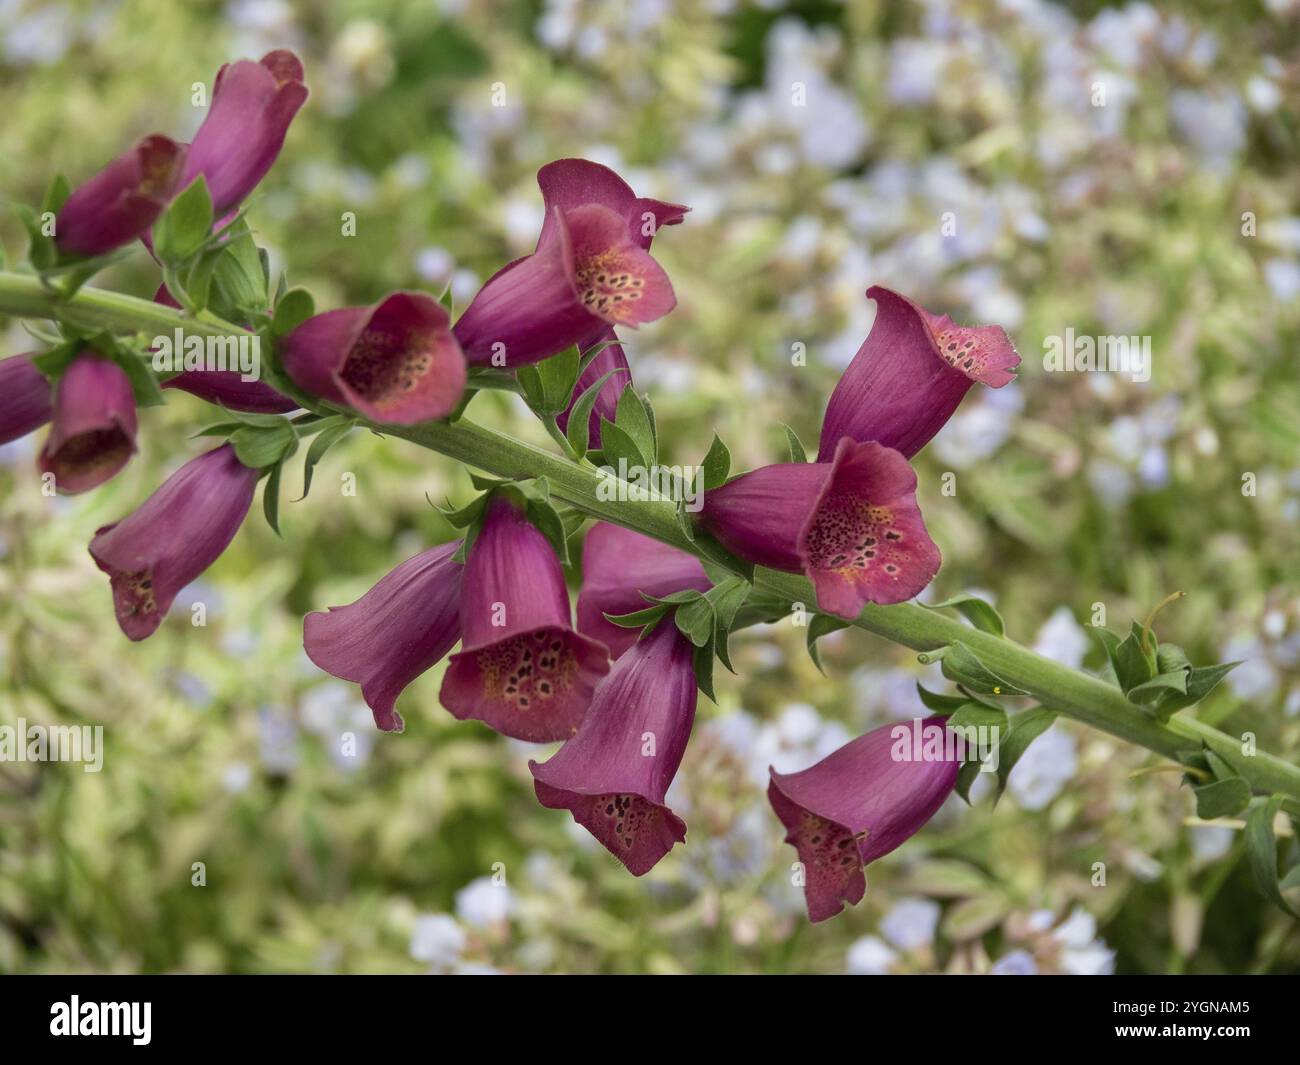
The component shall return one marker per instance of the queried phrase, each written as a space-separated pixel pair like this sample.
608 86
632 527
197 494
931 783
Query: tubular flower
613 775
394 362
861 802
909 376
93 433
175 535
123 200
617 566
241 137
399 629
591 269
851 525
25 398
522 669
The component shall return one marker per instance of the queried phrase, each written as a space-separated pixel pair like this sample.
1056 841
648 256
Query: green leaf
1261 847
578 429
940 704
1222 798
56 195
703 665
1200 682
1171 658
726 599
144 385
797 453
1158 687
1133 665
183 228
695 621
258 447
974 916
328 433
41 249
977 715
966 777
271 498
616 445
632 418
1024 728
976 611
548 521
294 308
717 464
639 618
821 625
548 385
960 664
239 282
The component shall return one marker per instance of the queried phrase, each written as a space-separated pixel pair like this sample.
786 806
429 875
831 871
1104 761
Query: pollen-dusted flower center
606 287
138 591
87 452
848 534
529 670
383 367
627 816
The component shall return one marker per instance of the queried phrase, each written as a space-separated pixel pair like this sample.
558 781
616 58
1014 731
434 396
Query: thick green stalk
1070 692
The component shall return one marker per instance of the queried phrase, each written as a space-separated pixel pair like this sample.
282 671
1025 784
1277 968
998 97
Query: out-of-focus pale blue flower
1213 122
916 69
1255 678
869 956
882 694
434 265
1044 769
1062 639
437 940
236 777
278 734
1017 963
484 903
40 36
979 429
910 923
1283 277
1211 842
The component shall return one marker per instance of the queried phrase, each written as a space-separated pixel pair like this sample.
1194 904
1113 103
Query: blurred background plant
427 851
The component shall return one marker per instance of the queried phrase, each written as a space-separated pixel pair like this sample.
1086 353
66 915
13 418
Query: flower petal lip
398 630
604 775
909 376
614 277
395 362
522 669
253 104
123 200
26 398
94 426
171 538
865 540
856 805
571 183
617 566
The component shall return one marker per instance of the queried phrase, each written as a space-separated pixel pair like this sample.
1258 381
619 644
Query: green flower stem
1070 692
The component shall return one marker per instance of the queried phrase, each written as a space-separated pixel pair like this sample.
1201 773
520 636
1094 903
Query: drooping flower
226 387
611 359
241 137
175 535
93 433
591 269
123 200
617 566
909 376
861 802
399 629
613 775
522 669
25 397
851 525
394 362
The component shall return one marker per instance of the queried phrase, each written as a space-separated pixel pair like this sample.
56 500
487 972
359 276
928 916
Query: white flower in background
434 265
979 429
236 777
916 70
1255 678
911 923
483 903
1043 769
1211 842
1062 639
1212 122
1283 277
1017 963
437 940
278 733
884 694
869 956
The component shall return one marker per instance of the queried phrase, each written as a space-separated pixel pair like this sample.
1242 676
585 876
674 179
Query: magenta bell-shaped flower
609 358
93 434
909 376
522 669
617 566
241 137
399 629
851 525
25 397
861 802
394 362
613 775
123 200
175 535
591 269
225 387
